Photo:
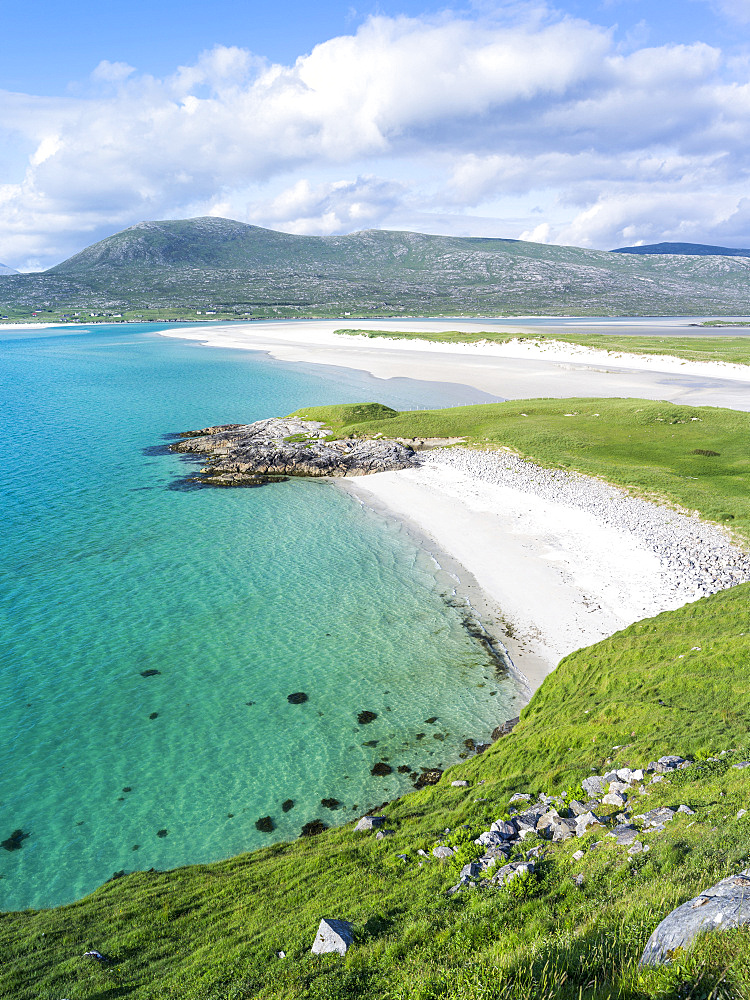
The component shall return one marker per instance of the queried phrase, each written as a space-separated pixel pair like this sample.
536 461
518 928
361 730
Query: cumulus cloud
405 118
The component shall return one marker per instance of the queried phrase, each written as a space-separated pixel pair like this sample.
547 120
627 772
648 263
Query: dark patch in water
15 841
249 702
371 743
421 736
116 875
230 815
298 698
381 769
121 798
136 847
403 769
162 833
265 824
366 717
313 828
127 788
156 449
438 736
150 673
330 803
154 715
287 804
432 718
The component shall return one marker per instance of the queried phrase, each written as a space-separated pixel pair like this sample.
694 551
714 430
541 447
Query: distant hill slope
689 249
177 269
4 269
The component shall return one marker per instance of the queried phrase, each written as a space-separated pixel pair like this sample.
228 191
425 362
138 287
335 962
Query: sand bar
503 371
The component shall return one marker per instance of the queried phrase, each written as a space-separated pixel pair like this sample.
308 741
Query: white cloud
426 119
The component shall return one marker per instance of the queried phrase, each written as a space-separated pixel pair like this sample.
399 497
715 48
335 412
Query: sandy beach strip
517 370
563 560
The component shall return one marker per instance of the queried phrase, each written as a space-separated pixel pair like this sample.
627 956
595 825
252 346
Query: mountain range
187 269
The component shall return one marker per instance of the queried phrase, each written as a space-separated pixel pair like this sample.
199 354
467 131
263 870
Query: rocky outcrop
722 907
253 454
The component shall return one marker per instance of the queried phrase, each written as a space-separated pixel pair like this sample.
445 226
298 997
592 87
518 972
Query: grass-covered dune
734 350
214 931
697 457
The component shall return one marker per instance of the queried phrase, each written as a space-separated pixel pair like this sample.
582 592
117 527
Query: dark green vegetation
173 270
214 931
654 449
693 249
735 350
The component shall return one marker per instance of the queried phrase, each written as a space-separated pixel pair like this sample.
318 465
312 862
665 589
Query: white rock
333 936
369 823
460 784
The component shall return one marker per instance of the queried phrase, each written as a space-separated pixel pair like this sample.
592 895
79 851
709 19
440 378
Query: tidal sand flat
503 371
154 631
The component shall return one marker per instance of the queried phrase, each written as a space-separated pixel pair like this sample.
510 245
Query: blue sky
597 123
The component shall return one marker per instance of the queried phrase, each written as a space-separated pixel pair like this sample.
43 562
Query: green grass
647 447
735 350
214 931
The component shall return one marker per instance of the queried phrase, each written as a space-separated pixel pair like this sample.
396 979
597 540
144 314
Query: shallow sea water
237 598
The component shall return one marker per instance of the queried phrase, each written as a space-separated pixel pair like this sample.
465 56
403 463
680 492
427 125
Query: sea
153 629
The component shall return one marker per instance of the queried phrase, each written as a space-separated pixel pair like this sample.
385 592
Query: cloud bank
537 127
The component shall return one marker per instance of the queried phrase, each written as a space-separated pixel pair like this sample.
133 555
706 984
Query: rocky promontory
273 449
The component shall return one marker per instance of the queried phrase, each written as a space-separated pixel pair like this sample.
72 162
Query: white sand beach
518 370
547 564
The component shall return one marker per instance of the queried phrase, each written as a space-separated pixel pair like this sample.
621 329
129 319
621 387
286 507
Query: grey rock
724 906
616 799
669 763
583 823
514 870
333 936
576 807
609 777
637 847
528 819
741 765
471 870
579 879
594 786
619 786
579 856
505 830
382 834
490 839
686 809
657 817
369 823
460 784
741 813
442 852
519 797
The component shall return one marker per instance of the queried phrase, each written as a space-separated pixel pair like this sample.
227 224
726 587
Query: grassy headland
677 683
735 350
697 457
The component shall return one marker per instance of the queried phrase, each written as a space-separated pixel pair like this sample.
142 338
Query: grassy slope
642 445
735 350
213 931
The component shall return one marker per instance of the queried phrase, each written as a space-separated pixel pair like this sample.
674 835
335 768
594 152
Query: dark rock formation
273 449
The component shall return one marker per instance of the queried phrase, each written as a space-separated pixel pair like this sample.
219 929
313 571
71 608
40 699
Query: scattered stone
511 871
15 841
287 804
638 848
578 879
298 698
506 831
460 784
442 852
614 799
576 807
578 856
381 769
265 824
585 821
656 818
431 720
519 797
369 823
381 834
333 936
741 765
364 718
722 907
313 828
490 839
687 810
281 954
669 763
594 786
741 813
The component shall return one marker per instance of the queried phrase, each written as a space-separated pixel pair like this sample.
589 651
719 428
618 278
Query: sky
592 123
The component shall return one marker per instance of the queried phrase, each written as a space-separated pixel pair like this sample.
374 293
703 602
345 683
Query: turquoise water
237 598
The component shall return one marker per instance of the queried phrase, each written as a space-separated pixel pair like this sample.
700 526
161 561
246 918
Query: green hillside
176 269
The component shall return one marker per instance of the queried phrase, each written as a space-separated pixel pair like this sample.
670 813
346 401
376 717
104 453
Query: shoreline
560 563
504 371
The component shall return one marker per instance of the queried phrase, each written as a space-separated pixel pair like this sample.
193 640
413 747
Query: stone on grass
333 936
369 823
686 809
741 813
460 784
742 764
656 818
505 830
585 821
442 852
616 799
519 797
578 856
382 834
594 786
724 906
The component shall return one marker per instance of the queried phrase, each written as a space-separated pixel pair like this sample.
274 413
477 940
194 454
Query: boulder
616 799
724 906
656 818
333 936
442 852
490 839
594 786
515 869
584 822
519 797
666 764
505 830
576 807
369 823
